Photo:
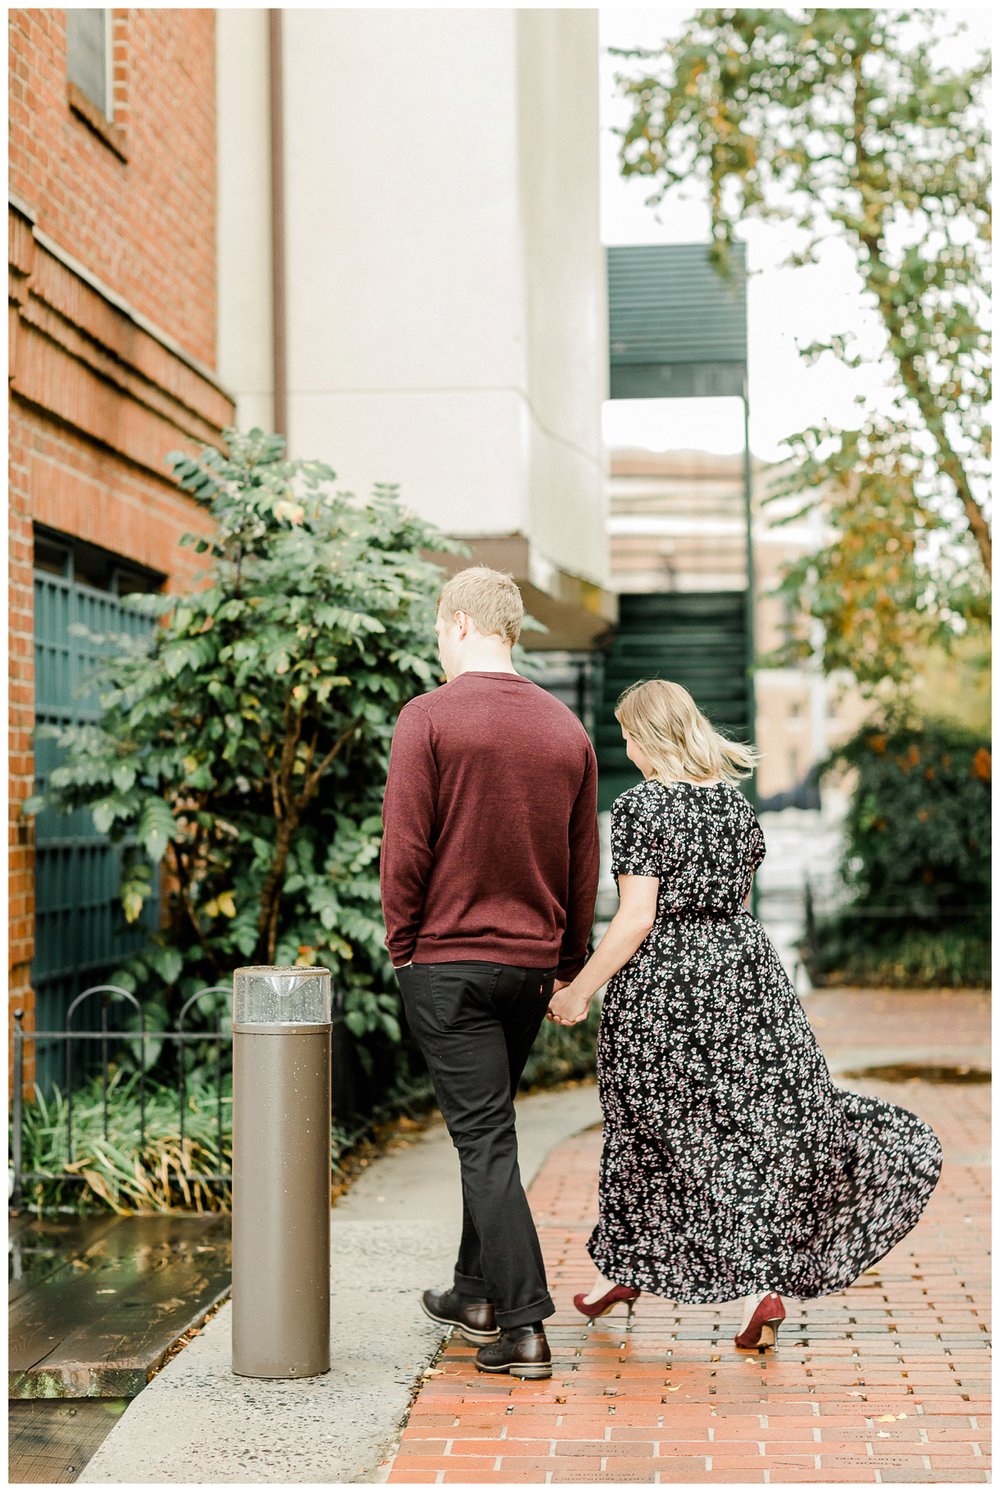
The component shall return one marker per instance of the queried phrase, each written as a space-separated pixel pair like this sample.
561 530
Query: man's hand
559 984
568 1005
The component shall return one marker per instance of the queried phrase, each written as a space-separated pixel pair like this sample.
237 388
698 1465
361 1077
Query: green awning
677 327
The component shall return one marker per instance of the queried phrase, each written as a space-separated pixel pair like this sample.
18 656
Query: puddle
919 1072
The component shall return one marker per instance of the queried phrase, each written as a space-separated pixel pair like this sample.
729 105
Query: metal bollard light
281 1172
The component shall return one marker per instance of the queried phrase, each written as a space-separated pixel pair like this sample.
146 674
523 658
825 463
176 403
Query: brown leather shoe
521 1352
475 1320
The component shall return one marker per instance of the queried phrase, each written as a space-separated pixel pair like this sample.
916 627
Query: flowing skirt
732 1164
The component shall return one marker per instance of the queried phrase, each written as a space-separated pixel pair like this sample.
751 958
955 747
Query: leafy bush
245 743
916 859
896 957
562 1052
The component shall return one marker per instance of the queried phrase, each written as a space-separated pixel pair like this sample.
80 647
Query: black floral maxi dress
731 1163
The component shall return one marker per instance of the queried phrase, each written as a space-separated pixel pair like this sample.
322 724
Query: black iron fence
115 1043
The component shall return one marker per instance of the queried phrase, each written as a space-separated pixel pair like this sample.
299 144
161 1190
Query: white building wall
565 286
445 285
406 319
244 208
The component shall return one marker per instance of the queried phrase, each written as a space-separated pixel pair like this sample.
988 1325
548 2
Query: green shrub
245 743
562 1052
901 958
916 860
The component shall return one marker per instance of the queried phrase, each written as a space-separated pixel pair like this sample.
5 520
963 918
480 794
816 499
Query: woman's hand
568 1006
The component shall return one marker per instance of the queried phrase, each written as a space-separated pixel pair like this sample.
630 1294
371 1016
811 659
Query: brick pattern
885 1382
146 225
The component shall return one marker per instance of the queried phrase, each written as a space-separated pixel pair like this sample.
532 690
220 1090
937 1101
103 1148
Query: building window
88 55
90 92
89 565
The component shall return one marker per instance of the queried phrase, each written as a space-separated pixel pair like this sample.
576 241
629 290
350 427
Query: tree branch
877 278
313 780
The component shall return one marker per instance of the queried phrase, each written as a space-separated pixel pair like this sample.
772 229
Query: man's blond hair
490 597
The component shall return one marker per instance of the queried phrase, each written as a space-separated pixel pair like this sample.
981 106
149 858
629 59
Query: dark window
87 564
87 48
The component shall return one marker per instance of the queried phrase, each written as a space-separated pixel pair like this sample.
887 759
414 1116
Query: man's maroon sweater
490 848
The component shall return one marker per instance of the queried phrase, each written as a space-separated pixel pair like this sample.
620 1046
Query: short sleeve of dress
758 848
636 835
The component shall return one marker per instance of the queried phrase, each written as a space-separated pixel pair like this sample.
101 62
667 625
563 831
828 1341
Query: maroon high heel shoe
761 1330
603 1304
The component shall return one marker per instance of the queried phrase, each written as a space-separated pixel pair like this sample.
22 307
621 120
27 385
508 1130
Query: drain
913 1072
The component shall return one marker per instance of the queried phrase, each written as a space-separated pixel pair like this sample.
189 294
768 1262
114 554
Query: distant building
112 218
677 524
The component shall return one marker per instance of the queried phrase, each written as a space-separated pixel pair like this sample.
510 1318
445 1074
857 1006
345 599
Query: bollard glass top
269 995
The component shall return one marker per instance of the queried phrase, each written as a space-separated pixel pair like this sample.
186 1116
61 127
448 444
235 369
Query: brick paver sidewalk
886 1382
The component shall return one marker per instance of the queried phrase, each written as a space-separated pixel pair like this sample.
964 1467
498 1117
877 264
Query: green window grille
80 929
697 639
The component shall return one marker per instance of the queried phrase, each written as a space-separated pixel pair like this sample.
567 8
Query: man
489 877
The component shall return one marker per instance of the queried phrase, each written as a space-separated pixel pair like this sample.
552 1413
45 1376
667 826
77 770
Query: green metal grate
80 930
695 638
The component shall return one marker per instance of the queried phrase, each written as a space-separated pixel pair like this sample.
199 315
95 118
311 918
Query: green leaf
103 815
155 828
167 962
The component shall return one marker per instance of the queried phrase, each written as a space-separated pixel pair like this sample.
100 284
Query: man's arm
584 870
409 812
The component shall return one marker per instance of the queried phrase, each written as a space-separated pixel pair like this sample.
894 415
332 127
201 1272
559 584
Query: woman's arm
629 927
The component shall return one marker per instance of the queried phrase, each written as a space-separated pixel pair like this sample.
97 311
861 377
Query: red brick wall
145 226
99 395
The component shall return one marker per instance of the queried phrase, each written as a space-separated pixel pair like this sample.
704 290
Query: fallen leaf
881 1419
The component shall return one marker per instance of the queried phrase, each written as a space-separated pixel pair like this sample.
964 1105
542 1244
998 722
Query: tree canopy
846 125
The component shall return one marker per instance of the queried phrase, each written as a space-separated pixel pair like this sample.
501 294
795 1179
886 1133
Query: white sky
786 307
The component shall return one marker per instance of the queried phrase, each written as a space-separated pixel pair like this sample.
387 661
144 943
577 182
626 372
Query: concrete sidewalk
394 1234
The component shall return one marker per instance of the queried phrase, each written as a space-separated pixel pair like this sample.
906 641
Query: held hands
568 1005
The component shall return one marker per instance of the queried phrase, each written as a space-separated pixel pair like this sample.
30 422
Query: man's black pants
475 1023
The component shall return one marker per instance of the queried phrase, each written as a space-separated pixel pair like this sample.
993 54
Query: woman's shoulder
640 797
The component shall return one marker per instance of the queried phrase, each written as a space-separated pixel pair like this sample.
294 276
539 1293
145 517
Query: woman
732 1167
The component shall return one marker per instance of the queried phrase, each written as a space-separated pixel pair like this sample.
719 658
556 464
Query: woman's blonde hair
668 727
490 597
